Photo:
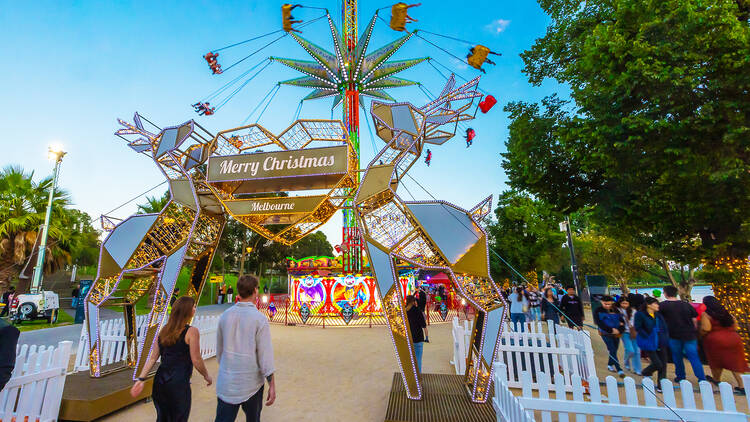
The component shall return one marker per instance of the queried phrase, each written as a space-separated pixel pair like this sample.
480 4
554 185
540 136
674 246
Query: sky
70 69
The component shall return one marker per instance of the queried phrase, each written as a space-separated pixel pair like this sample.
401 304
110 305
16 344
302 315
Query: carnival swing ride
238 172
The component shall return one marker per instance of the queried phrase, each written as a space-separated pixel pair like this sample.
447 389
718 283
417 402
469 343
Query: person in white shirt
518 307
245 356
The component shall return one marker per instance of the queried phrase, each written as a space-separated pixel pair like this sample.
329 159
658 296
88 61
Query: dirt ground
344 374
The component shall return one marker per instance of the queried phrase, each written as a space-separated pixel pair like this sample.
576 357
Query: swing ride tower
351 240
347 74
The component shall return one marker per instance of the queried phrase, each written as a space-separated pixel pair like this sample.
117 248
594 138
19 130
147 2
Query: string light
732 288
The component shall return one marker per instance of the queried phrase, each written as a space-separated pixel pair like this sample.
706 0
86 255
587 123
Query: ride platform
86 398
444 399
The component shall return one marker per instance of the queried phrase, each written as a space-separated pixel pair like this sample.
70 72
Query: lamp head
55 152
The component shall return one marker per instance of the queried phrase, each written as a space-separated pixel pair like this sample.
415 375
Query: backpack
651 342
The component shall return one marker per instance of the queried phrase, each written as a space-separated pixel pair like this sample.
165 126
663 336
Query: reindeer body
433 235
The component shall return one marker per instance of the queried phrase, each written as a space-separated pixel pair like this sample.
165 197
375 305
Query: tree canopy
656 136
23 205
525 233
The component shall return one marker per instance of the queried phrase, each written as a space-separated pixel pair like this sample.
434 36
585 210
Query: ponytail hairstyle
182 313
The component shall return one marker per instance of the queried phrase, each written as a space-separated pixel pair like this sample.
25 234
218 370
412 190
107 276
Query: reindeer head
406 128
177 150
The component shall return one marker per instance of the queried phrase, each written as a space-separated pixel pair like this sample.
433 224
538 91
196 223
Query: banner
306 169
275 205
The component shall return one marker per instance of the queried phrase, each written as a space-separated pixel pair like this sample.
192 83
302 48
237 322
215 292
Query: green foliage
600 254
154 204
264 254
657 136
315 244
525 233
23 204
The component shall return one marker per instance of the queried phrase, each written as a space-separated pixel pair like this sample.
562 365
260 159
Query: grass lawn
208 297
62 319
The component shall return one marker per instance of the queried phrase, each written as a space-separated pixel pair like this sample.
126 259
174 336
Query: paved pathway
51 336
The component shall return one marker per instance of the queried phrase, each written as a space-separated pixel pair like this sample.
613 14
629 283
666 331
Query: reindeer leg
393 309
486 330
116 254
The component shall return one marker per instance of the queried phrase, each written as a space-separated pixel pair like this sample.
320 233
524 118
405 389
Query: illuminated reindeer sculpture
143 254
433 235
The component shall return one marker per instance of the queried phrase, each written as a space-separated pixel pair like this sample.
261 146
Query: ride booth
321 294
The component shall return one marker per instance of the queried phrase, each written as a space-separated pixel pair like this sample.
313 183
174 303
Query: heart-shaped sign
443 311
347 313
304 312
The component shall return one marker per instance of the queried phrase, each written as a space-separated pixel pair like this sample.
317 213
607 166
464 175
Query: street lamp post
573 263
36 281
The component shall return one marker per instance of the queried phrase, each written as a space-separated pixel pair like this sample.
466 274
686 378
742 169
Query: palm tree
154 204
23 205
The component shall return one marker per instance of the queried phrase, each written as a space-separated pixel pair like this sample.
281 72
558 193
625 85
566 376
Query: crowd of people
553 302
650 330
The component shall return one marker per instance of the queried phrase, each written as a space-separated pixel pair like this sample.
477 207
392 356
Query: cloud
497 26
460 65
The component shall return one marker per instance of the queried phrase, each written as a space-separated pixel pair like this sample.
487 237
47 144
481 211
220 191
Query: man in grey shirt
245 356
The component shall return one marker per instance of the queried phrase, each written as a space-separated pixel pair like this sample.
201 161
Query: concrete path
323 374
51 336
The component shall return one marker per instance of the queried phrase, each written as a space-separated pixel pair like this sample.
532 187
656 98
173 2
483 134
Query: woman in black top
416 325
178 345
550 306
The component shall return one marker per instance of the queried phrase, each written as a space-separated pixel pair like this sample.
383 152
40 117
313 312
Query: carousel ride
238 173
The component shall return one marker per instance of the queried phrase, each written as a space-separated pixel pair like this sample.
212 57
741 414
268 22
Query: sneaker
621 374
710 379
611 368
657 389
677 380
739 390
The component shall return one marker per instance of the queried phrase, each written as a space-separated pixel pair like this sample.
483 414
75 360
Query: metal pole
36 280
573 264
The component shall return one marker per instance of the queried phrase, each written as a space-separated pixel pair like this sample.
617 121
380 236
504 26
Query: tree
315 244
656 136
526 234
153 204
23 205
621 262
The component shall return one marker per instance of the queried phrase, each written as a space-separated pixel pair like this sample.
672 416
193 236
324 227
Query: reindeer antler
140 144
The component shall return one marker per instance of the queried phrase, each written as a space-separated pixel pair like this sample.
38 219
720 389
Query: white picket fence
461 339
113 340
559 350
34 391
541 347
113 347
593 405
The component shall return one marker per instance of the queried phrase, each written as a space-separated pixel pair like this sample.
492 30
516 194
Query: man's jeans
535 312
518 321
689 349
418 348
227 412
612 343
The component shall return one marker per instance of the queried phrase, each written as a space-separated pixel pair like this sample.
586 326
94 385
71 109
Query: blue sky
71 68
